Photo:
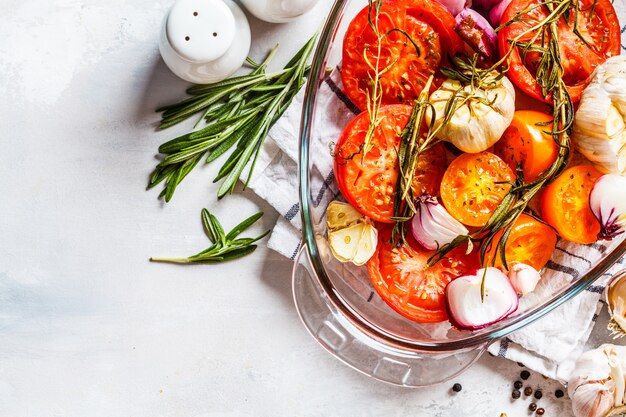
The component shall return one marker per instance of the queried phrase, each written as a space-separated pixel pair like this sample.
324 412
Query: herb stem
236 112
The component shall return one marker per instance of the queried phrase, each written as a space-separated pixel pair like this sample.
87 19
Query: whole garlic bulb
600 122
481 117
596 386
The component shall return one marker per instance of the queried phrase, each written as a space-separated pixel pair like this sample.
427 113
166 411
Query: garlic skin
599 130
596 386
615 297
524 278
351 236
475 125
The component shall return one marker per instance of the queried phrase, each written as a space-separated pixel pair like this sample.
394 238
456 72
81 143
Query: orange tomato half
565 204
531 242
473 186
526 144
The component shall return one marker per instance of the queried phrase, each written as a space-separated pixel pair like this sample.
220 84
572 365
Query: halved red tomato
407 63
368 181
598 25
399 275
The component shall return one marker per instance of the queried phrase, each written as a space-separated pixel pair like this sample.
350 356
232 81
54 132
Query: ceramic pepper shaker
278 11
205 41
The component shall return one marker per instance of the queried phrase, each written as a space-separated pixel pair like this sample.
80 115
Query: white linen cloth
549 346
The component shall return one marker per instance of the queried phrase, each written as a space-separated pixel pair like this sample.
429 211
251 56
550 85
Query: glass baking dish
336 302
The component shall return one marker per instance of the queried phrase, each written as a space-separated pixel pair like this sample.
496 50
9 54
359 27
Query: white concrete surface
89 327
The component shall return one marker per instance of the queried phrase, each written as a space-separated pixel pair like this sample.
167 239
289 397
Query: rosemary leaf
224 246
238 111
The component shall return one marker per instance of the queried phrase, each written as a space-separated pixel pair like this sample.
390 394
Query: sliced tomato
399 275
565 204
368 181
474 185
598 24
407 63
530 242
526 143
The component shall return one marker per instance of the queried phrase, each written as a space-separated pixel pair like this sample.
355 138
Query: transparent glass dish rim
485 336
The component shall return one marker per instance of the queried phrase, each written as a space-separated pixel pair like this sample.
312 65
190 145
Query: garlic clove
524 278
340 215
615 296
344 243
367 245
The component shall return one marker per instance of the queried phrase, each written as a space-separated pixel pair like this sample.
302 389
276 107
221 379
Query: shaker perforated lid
200 30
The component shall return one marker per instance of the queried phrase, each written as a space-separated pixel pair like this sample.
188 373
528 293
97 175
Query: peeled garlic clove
524 278
367 245
340 215
615 296
344 242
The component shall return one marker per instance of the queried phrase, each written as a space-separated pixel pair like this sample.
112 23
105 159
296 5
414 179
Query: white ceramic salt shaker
278 11
205 41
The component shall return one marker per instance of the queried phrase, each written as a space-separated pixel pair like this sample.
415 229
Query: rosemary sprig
374 100
411 147
225 246
375 97
545 40
238 112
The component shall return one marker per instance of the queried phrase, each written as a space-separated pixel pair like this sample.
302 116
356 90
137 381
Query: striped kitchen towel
549 346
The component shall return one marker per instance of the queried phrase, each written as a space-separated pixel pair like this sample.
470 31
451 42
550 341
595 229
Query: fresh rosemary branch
238 112
411 146
549 75
224 246
374 100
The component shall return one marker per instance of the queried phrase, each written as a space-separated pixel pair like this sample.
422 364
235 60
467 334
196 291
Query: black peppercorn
517 384
532 407
528 391
524 375
540 411
538 394
559 393
457 387
516 394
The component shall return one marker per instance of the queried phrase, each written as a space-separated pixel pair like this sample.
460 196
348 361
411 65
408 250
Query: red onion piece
432 226
466 308
484 5
607 201
495 14
454 6
476 31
